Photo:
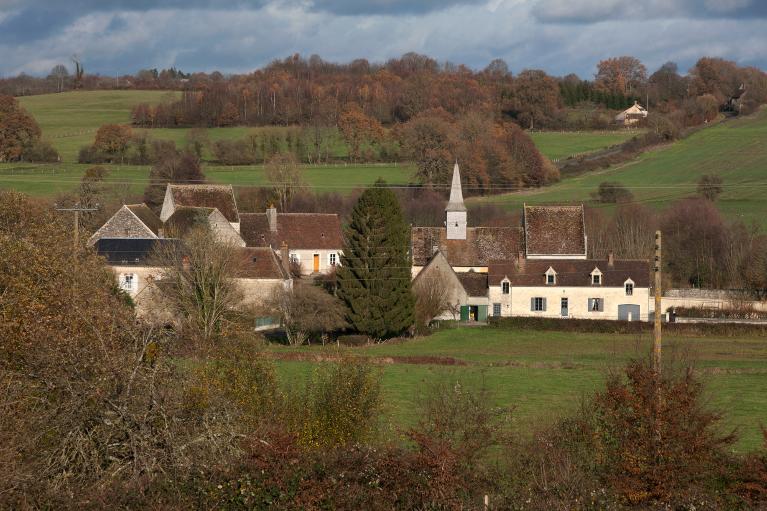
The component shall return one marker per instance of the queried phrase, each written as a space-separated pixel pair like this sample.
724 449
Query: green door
464 313
482 313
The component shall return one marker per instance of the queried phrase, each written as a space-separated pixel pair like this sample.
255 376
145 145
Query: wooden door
316 263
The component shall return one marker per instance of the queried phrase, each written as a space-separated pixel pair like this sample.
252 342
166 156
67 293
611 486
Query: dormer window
596 277
629 287
505 287
550 277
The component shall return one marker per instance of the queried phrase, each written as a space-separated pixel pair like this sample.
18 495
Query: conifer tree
374 277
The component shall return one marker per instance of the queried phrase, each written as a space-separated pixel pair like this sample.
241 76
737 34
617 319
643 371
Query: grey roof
456 193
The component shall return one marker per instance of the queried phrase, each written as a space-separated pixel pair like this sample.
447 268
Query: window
538 304
496 309
596 304
551 276
294 258
629 288
127 282
505 287
596 279
332 259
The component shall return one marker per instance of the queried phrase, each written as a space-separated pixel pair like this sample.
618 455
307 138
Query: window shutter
544 305
532 304
591 304
601 305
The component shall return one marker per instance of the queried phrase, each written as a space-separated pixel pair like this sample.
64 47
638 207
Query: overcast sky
559 36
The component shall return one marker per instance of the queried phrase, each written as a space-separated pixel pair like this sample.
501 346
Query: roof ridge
140 221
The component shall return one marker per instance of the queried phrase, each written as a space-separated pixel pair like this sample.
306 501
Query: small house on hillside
631 115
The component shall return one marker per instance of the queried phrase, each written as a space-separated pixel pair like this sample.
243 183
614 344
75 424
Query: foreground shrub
653 439
338 406
41 151
751 483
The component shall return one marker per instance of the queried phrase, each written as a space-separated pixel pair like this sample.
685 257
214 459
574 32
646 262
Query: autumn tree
18 130
374 277
171 167
113 140
357 129
285 176
710 186
535 98
622 75
430 140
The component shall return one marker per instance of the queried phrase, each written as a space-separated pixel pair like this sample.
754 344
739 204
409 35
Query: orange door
316 263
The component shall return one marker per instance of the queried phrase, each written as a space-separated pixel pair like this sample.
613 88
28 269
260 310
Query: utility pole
77 209
656 346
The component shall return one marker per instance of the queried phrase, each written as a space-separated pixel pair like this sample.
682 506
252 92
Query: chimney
521 259
285 258
271 216
610 259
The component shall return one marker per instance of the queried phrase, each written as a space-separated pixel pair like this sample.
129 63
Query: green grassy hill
736 150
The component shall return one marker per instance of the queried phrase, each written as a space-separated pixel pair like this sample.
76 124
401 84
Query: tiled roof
131 251
318 231
482 245
474 283
570 273
184 218
554 230
260 263
147 216
124 224
220 197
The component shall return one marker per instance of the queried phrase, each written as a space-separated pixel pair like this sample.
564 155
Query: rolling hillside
735 149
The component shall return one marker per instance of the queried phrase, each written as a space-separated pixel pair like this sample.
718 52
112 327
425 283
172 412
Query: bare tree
307 310
432 298
60 73
284 175
198 282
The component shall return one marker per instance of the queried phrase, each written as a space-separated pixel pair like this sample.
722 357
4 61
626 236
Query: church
526 270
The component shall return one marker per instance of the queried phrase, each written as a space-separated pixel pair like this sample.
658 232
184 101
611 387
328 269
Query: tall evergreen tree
374 277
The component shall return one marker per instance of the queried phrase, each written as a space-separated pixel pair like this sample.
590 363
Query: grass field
545 375
561 144
736 150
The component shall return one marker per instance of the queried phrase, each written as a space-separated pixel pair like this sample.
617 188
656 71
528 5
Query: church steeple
455 212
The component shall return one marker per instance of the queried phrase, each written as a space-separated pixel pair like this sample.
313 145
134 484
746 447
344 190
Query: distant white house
631 115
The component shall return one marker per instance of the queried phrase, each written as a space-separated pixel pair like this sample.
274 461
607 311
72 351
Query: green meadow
561 144
736 150
543 376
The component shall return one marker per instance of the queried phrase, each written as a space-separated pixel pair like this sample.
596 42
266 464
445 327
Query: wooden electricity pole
77 209
656 345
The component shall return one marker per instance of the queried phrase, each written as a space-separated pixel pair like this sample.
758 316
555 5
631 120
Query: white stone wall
224 230
306 260
257 291
517 302
456 225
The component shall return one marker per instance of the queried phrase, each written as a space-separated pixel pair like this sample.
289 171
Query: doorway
564 308
316 263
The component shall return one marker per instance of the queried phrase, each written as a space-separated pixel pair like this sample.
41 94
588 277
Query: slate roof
220 197
260 263
570 273
147 216
474 283
554 230
482 245
130 251
318 231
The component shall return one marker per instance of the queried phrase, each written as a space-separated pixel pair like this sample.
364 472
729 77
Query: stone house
632 115
314 240
220 197
540 268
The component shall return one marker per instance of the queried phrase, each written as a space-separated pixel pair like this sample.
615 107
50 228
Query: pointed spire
456 193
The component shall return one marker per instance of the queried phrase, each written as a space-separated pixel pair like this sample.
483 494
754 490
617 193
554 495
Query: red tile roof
260 263
316 231
220 197
570 273
474 283
554 230
482 245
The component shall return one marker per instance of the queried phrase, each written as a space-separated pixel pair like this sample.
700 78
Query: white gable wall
168 207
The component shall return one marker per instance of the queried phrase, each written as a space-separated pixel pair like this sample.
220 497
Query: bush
234 152
353 340
89 154
41 151
338 406
612 192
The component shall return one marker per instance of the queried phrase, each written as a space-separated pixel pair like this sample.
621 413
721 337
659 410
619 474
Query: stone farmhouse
540 268
266 242
631 115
